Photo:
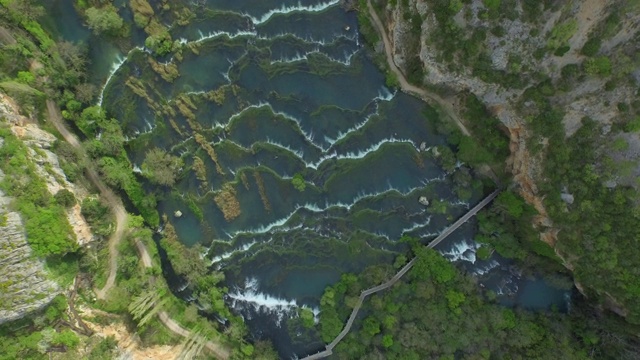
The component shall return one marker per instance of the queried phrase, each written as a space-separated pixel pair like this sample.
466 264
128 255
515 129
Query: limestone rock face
24 286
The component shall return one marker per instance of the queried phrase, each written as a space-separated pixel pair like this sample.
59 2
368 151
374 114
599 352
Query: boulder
423 200
177 214
568 198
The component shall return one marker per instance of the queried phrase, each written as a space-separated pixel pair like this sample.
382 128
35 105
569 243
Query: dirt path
425 95
112 200
219 351
121 224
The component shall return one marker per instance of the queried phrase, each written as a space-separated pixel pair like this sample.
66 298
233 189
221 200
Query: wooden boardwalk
448 231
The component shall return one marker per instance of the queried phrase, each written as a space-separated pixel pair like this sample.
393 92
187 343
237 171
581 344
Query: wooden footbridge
448 231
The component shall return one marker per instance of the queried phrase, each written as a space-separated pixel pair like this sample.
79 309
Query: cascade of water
310 40
261 302
464 250
416 226
215 34
383 95
283 10
228 254
317 209
483 269
114 69
304 57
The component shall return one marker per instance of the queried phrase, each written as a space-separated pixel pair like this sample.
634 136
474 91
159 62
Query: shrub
65 198
160 167
562 50
598 66
561 33
591 47
492 4
570 71
298 182
633 125
104 20
26 77
498 31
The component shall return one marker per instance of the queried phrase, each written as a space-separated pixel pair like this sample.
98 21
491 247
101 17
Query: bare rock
568 198
423 201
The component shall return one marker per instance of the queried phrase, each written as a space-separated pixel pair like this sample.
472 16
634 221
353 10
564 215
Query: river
301 96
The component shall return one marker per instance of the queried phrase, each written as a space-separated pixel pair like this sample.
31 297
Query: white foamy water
416 226
114 69
262 104
215 34
310 39
283 10
483 269
464 250
318 208
383 95
228 254
346 61
261 302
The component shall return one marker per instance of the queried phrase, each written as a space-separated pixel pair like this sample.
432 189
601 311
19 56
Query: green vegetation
436 312
98 216
492 149
561 33
161 168
600 65
63 65
48 230
34 336
298 182
104 19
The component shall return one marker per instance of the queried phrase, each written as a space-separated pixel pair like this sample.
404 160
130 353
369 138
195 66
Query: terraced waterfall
265 94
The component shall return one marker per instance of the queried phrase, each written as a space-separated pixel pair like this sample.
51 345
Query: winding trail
448 231
425 95
112 199
120 213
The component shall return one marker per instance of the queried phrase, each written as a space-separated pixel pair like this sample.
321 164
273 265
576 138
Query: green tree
387 341
104 20
454 300
160 167
492 4
371 326
298 182
600 65
592 46
510 203
307 317
67 338
65 198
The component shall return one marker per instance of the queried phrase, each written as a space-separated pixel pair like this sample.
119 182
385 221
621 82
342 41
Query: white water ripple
283 10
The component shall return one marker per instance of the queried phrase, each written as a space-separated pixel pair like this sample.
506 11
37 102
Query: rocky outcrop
47 165
586 100
593 96
24 284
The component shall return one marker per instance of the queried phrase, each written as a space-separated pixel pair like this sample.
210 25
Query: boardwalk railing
448 231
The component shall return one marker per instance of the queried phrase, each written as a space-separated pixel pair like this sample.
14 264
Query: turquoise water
301 97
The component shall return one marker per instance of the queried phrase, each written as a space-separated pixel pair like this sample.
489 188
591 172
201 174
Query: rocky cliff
580 55
24 282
